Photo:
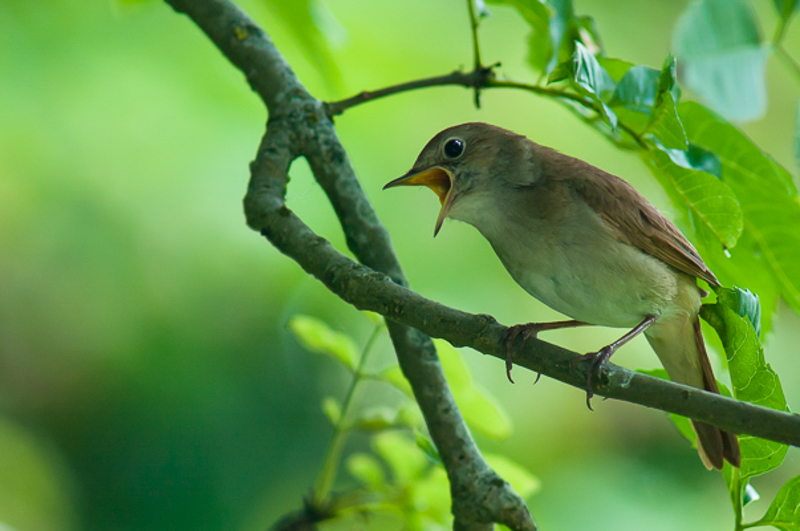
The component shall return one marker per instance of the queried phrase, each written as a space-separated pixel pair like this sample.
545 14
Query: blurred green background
147 379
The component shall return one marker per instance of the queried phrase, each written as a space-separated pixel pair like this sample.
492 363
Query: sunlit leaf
616 68
317 336
708 199
753 380
784 512
765 191
332 409
480 409
520 479
366 469
719 46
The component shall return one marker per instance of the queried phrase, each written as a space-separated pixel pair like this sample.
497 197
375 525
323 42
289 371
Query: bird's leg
597 359
529 330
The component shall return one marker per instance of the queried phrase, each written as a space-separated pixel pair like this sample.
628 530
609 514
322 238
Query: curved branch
299 126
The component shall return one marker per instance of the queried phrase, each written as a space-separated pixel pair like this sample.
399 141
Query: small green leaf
750 495
637 89
753 380
616 68
523 482
784 512
427 446
709 200
480 409
744 302
666 126
723 61
332 409
317 336
376 418
588 78
366 469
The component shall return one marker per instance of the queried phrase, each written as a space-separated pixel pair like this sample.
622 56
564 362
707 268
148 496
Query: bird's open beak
437 179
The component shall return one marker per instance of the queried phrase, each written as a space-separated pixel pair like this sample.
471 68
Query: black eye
453 148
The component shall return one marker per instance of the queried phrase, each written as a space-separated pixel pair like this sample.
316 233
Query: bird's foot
595 361
527 330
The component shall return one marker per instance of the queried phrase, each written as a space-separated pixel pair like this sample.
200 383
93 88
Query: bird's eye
453 148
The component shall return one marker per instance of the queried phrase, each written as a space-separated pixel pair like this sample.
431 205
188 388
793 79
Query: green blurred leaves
719 45
314 28
317 336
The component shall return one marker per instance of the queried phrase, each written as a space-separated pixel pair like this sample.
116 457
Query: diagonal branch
299 126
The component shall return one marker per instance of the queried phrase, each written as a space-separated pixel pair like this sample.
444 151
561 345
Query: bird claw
527 330
596 360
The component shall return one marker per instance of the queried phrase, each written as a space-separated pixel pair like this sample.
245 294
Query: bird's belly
617 288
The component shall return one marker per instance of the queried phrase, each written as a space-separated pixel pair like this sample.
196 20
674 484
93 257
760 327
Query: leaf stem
333 455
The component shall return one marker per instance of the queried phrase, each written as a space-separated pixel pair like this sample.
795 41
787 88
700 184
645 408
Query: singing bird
582 241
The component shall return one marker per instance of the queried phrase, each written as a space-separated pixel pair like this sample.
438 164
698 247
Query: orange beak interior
435 178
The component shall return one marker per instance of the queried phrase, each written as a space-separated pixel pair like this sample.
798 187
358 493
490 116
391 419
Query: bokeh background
147 379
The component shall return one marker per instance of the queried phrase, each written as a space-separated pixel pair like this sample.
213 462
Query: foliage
413 495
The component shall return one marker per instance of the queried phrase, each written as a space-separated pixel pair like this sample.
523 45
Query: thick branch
299 126
369 290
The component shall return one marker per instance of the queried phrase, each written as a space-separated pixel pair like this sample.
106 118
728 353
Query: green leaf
719 45
427 446
744 303
710 201
616 68
314 27
588 78
480 409
523 482
784 512
366 469
376 418
786 8
753 380
664 123
317 336
554 30
637 89
332 409
766 193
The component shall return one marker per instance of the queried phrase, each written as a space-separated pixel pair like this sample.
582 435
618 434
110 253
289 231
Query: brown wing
634 219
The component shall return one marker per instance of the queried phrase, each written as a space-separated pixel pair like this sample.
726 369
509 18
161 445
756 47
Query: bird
583 242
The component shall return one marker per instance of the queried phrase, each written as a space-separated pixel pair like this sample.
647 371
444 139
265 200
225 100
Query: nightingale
585 243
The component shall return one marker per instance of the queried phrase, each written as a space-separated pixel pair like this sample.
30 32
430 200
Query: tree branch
299 126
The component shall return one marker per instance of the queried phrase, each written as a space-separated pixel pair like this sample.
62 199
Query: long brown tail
713 444
681 349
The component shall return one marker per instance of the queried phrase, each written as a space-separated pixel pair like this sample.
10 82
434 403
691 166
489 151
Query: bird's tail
680 347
